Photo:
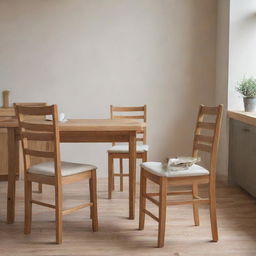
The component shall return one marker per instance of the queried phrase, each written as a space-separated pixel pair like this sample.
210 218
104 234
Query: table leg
132 174
13 165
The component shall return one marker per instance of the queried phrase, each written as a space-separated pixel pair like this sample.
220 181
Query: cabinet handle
246 130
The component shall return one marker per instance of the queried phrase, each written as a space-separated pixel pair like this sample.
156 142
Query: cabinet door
243 155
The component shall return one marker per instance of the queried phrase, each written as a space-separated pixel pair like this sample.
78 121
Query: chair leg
213 216
145 157
162 211
58 214
113 176
28 207
93 196
110 176
143 191
40 187
195 205
121 175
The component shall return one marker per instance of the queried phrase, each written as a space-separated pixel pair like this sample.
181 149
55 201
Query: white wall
87 54
242 47
235 58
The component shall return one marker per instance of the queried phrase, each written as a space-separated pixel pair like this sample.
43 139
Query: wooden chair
36 160
54 172
121 151
193 176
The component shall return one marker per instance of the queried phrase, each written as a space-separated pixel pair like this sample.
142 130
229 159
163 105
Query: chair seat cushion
67 168
157 169
125 149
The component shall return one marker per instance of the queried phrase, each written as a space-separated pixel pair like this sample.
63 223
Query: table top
102 125
89 124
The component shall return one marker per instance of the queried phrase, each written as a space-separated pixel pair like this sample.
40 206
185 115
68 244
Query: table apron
94 136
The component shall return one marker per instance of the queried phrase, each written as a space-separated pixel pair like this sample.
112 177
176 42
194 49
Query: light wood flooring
119 236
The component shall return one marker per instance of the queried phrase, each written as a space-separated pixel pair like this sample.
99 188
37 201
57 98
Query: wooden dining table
77 131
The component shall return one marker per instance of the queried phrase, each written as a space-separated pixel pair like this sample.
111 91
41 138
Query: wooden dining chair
54 172
41 144
154 171
121 151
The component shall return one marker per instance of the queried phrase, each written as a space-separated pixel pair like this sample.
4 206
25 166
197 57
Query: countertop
242 116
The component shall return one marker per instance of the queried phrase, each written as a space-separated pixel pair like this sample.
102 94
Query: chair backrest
139 113
208 142
36 129
32 104
44 145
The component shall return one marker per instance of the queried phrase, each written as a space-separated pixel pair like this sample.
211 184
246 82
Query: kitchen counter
244 117
242 150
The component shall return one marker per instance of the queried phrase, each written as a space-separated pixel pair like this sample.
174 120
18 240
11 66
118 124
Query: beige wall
85 55
222 66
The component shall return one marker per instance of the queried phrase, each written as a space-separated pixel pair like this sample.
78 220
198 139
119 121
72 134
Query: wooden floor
119 236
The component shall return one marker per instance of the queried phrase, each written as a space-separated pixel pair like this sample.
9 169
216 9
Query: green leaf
247 87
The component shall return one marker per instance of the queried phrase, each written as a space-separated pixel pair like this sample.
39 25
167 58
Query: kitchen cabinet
242 154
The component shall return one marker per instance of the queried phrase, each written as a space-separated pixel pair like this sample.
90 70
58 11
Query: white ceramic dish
61 118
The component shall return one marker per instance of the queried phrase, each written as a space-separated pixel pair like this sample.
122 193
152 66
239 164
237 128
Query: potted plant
247 87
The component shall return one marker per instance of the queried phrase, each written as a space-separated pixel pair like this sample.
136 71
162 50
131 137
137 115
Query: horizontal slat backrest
206 125
38 153
203 147
128 117
204 138
208 143
33 104
35 110
35 140
127 109
36 136
210 110
38 129
119 112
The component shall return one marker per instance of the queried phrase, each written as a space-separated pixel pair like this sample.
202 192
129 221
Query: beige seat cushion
67 168
125 149
157 169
